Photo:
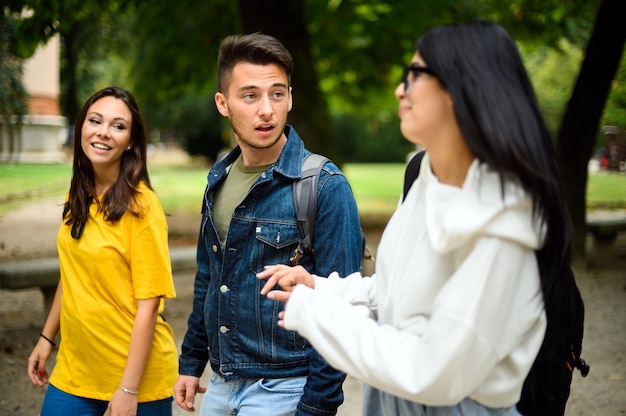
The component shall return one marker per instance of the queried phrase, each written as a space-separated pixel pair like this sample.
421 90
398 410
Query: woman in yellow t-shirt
116 355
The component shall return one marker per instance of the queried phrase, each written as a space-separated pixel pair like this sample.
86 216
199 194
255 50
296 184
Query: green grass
606 190
180 188
376 187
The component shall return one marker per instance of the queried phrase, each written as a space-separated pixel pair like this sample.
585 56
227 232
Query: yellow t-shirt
103 274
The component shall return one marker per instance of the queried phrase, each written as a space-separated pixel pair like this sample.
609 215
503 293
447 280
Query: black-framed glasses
411 73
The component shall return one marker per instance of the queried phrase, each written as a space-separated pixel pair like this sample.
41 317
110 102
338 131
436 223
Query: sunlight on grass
376 186
606 191
179 188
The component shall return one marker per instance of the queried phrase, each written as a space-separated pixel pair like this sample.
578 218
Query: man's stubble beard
248 143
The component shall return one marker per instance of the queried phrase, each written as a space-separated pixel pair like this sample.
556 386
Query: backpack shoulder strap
412 172
305 200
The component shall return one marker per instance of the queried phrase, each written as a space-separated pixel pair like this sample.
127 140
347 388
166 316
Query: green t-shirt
232 191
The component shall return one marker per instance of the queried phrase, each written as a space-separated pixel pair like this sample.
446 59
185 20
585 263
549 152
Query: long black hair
133 168
497 112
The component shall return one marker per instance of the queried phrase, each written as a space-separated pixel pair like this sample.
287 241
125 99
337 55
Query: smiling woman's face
105 133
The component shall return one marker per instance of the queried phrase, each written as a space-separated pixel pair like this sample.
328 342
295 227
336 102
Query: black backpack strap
412 172
305 200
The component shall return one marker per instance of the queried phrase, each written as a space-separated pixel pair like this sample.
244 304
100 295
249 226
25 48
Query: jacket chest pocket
275 242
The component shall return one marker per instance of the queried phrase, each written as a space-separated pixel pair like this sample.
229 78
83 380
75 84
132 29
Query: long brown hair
133 168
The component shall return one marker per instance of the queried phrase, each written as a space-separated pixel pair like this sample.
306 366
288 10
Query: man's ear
290 99
220 103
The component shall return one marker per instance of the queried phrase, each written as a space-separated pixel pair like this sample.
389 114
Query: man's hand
185 391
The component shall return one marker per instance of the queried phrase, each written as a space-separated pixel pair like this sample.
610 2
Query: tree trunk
69 97
284 19
584 110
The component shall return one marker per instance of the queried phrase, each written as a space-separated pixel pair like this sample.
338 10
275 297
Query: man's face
257 103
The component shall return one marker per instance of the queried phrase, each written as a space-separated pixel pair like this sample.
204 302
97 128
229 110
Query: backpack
305 200
547 385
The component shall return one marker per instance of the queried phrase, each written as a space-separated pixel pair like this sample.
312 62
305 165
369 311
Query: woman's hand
286 278
37 363
122 404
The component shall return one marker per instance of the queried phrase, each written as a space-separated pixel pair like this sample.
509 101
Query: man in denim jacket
248 222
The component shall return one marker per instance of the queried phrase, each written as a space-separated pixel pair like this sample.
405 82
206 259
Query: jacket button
214 248
223 288
223 329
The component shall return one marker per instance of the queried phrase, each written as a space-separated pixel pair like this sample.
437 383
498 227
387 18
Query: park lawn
376 186
606 190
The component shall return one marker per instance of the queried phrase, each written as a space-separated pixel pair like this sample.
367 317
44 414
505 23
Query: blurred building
44 130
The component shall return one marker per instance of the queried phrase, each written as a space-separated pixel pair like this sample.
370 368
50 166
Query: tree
580 122
284 19
12 92
348 56
85 29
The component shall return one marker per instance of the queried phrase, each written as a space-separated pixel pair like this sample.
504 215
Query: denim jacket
235 328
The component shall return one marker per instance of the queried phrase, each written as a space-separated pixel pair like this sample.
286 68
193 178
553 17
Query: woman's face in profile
425 105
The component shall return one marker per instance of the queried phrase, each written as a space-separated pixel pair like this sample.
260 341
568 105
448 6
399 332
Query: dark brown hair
133 168
255 48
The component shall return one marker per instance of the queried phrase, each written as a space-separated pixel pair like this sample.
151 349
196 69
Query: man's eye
249 97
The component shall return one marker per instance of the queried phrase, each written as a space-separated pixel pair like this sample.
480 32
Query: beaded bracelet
48 339
127 391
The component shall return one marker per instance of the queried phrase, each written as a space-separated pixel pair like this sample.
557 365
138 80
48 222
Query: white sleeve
354 288
483 311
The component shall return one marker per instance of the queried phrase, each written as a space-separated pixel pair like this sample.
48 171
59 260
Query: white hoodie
454 309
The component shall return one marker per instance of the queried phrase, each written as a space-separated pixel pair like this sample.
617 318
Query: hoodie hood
456 215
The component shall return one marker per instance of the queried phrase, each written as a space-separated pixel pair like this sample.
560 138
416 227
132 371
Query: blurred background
348 54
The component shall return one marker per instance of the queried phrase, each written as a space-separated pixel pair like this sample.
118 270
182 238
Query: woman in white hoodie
453 318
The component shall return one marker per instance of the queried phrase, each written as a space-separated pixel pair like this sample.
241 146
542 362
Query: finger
269 285
268 271
35 374
182 401
189 398
279 295
41 371
179 396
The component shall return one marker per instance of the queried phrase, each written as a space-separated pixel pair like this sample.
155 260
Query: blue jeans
59 403
275 397
378 403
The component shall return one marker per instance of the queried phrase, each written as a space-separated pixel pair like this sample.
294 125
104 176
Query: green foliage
553 72
165 53
373 137
194 121
13 96
540 22
359 46
615 109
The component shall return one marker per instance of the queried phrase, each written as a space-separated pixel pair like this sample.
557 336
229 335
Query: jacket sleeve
194 350
338 248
